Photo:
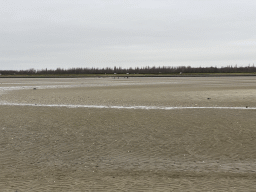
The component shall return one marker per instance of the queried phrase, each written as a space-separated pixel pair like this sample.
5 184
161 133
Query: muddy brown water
46 148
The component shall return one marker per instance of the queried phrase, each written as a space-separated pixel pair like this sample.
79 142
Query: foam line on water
119 107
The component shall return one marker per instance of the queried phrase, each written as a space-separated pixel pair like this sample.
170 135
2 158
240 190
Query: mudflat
65 135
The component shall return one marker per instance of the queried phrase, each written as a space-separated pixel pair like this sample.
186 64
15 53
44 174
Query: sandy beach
163 134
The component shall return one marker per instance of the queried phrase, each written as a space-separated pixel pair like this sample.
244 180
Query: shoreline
130 75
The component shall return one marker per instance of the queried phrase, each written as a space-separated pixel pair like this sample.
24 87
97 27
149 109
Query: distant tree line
136 70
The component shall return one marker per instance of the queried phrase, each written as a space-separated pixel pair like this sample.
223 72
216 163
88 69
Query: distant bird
208 98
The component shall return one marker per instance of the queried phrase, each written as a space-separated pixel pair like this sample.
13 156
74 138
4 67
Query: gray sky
127 33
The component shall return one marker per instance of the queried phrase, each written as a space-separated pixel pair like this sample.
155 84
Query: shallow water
123 107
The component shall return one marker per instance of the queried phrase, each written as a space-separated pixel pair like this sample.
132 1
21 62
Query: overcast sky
127 33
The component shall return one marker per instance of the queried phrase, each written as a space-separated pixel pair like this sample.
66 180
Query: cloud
77 33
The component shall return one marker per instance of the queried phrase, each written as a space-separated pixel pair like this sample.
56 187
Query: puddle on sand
121 107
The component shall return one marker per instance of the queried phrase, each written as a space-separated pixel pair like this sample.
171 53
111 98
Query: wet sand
105 149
